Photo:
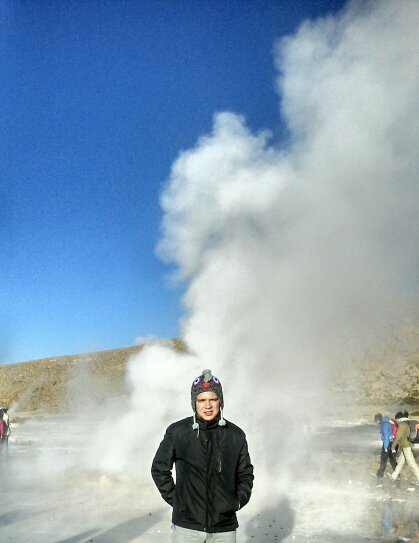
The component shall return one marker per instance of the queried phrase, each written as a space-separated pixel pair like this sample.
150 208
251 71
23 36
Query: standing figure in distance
406 454
4 431
388 430
214 474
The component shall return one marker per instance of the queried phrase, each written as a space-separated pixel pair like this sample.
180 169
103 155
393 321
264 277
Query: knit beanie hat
206 382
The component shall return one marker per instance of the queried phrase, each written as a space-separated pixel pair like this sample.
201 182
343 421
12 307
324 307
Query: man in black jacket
214 475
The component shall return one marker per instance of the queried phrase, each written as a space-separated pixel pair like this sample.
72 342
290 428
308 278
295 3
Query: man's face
207 405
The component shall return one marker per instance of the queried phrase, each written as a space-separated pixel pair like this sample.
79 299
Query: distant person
7 423
406 454
214 474
388 430
4 430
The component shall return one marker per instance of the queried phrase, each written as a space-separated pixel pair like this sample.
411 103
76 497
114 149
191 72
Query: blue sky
97 100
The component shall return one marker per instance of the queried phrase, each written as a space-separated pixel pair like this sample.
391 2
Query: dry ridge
53 385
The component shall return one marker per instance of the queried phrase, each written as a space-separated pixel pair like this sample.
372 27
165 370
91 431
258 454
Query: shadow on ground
271 524
122 533
18 515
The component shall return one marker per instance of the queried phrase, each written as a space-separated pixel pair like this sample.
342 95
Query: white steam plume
296 256
289 252
293 255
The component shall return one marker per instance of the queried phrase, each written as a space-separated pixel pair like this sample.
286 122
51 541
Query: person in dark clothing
214 474
388 430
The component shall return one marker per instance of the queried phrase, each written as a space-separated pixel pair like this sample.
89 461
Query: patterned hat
206 383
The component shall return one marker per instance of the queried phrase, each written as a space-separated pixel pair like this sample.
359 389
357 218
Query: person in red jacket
2 425
214 474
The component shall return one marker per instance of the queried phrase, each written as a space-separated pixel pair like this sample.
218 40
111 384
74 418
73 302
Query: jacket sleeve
244 476
161 469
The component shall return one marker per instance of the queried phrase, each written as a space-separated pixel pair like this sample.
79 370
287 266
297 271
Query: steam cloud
294 254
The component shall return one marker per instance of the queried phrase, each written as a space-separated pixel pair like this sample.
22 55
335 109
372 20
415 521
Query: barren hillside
49 385
44 384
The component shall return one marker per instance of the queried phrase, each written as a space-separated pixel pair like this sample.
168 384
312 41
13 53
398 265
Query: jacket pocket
230 506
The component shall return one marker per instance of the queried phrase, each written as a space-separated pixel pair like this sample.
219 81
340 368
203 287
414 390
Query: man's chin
208 418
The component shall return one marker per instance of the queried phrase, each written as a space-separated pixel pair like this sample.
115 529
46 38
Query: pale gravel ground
339 501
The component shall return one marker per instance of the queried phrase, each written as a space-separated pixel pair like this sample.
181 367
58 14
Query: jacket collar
204 425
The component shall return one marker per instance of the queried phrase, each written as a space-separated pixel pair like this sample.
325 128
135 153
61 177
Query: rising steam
294 254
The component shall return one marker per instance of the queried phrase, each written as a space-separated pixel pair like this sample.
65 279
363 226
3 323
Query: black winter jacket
214 475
